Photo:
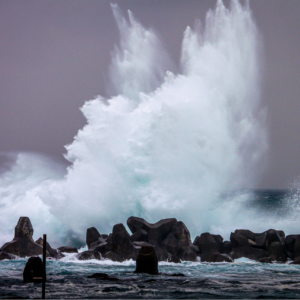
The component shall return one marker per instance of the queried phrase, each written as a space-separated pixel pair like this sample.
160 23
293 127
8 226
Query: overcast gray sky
54 55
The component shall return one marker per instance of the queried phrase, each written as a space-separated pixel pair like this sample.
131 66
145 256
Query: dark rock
112 256
218 238
103 276
52 252
104 248
266 260
122 244
33 269
181 233
196 240
139 236
247 233
5 255
90 254
92 235
296 261
156 232
147 261
174 259
238 240
271 237
159 231
67 249
104 236
140 244
208 244
215 257
248 252
260 240
297 246
226 247
95 244
277 253
290 242
170 244
23 245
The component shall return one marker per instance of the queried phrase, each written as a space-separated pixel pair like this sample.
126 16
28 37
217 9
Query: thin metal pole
44 268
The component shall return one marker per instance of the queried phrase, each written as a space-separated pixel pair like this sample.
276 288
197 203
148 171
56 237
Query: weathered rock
297 246
208 244
122 244
104 248
5 255
226 247
90 254
33 269
260 240
215 257
139 236
171 244
52 252
248 252
67 249
97 243
23 245
290 242
140 244
271 237
147 261
196 240
266 260
247 233
112 256
174 259
104 236
277 253
296 261
156 232
93 238
181 234
238 240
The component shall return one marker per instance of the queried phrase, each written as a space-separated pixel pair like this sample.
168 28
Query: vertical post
44 268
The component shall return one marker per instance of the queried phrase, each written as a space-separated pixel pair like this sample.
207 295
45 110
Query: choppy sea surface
68 277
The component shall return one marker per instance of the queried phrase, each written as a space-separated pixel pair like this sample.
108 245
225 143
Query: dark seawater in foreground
244 278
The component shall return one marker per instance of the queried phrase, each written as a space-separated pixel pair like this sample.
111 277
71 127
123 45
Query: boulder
290 242
104 236
23 245
247 233
95 244
104 248
156 232
170 244
112 256
67 249
52 252
90 254
248 252
174 259
271 237
33 269
297 246
208 244
5 255
147 261
93 238
296 261
226 247
238 240
260 241
265 260
215 257
181 233
139 236
277 253
122 244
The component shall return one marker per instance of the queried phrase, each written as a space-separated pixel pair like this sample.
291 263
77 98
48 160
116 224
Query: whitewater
162 144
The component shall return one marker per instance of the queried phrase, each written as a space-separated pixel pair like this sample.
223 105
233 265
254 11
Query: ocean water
244 278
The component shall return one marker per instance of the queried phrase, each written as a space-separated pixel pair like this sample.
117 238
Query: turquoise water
68 279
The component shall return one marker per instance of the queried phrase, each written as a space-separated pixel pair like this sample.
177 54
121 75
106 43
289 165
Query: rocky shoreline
171 242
